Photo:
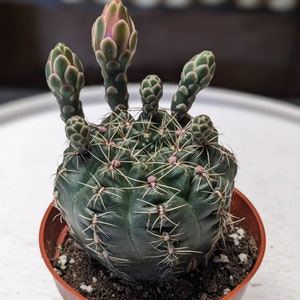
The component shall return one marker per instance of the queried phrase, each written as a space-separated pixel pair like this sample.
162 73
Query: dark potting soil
228 266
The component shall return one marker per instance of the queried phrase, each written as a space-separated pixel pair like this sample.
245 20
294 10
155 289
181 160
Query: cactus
148 195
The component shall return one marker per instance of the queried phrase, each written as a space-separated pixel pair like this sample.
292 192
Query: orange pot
53 232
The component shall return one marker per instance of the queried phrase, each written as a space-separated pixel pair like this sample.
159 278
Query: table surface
263 133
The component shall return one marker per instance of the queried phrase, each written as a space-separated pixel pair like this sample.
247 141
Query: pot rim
261 246
235 292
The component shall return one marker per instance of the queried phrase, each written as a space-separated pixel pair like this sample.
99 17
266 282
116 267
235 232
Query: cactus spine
147 196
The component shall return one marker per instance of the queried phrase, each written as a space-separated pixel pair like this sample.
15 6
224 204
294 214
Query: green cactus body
147 196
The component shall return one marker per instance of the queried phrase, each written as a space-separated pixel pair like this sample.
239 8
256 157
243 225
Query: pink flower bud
113 35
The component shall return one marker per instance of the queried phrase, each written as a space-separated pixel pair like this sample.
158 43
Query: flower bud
64 73
114 37
65 78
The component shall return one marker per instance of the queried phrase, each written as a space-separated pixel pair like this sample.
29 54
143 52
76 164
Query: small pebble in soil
221 259
238 235
86 288
243 257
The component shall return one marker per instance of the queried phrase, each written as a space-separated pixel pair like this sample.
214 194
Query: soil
228 266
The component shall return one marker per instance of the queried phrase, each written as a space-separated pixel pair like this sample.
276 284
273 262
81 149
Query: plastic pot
53 232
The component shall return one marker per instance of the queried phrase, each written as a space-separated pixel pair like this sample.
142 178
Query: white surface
264 134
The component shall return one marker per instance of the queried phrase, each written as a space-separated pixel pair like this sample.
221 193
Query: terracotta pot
53 233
